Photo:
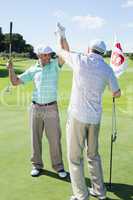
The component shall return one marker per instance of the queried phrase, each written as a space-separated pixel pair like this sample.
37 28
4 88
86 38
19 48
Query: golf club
8 88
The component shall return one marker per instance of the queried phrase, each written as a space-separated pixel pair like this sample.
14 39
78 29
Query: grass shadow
55 175
123 191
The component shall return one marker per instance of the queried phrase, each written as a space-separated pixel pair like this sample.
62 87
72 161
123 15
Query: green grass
15 181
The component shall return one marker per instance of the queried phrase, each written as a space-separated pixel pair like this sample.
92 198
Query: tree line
19 45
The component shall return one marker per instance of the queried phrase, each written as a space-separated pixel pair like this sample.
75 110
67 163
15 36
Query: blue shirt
45 81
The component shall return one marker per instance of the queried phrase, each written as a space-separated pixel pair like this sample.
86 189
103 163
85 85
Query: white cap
44 50
98 45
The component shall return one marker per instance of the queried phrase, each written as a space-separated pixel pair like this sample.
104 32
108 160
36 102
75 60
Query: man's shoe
35 172
73 198
62 173
94 194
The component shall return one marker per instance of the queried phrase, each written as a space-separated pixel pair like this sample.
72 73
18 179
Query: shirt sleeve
26 76
70 58
113 83
56 64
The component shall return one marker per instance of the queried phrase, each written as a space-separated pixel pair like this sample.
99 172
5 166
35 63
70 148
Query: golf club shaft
10 53
10 42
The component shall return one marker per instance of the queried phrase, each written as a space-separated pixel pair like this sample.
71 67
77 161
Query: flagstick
113 138
111 153
118 65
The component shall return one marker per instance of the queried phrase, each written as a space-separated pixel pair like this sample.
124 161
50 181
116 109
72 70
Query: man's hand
13 77
61 37
60 31
117 94
9 64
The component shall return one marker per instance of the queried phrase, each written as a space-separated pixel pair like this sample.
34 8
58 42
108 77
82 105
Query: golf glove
9 64
60 32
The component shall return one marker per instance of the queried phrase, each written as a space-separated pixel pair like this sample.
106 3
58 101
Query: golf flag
118 61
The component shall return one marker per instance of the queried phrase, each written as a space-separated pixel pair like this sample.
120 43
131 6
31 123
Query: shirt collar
95 55
38 64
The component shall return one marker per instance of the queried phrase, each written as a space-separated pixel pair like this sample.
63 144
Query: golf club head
8 89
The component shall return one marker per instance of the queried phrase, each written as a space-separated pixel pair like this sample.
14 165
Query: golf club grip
10 40
11 25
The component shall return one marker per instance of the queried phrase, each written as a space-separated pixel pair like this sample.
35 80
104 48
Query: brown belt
45 104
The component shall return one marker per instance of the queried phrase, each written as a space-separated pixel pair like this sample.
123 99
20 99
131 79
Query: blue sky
84 20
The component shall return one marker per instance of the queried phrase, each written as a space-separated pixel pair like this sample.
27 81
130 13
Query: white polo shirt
90 77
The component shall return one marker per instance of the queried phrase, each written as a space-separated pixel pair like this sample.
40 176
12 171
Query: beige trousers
46 117
79 134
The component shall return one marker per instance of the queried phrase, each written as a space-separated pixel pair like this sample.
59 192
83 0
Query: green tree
18 43
28 48
131 56
1 40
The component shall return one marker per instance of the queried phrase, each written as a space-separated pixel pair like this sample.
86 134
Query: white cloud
130 25
60 14
89 22
127 4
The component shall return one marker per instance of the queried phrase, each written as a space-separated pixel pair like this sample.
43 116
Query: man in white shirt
90 77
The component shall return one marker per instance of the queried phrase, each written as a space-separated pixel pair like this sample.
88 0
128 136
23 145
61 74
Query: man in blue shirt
44 109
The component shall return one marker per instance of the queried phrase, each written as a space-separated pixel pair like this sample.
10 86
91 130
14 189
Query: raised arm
12 75
62 37
64 44
70 58
61 42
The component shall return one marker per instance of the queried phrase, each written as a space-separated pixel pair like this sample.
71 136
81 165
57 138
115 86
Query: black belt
45 104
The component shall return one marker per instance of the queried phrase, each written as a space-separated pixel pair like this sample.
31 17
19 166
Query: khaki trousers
79 134
46 117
